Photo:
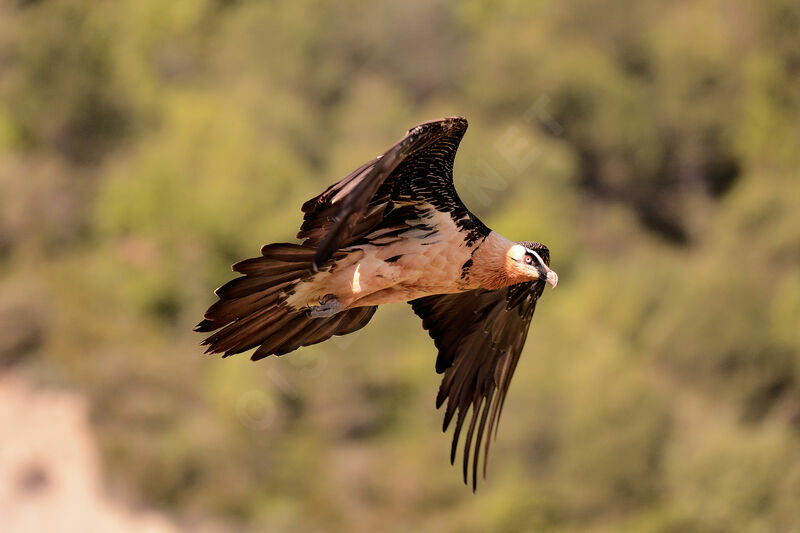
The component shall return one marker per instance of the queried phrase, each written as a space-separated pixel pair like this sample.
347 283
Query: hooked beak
546 274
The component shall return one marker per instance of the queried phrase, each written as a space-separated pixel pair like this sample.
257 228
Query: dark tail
251 310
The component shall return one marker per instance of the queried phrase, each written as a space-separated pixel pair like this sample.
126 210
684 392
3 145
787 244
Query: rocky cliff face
49 470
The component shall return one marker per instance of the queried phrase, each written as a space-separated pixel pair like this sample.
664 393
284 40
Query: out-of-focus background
147 145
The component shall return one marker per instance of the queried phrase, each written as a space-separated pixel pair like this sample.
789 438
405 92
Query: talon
328 307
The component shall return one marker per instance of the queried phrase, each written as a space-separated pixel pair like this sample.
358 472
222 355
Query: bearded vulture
395 230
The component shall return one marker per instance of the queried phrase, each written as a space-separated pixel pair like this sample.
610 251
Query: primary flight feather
395 230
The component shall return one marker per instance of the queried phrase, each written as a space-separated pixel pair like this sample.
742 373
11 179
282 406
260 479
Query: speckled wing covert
413 175
480 335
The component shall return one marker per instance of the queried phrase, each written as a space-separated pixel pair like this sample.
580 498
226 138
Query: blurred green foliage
655 146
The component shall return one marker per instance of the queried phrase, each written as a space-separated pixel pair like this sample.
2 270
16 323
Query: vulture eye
528 259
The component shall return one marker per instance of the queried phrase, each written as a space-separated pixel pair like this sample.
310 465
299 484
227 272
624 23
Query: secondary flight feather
395 230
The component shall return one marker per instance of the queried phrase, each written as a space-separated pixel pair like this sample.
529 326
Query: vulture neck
492 264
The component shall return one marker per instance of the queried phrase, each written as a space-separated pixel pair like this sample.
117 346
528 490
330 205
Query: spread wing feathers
250 311
480 335
360 201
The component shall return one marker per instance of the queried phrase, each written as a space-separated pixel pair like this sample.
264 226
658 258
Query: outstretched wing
386 191
480 335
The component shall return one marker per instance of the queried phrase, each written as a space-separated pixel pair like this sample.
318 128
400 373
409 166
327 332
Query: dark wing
376 203
384 192
480 335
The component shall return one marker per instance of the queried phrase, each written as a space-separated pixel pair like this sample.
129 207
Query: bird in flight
395 230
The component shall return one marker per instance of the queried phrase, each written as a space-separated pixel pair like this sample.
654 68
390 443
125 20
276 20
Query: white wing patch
356 285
